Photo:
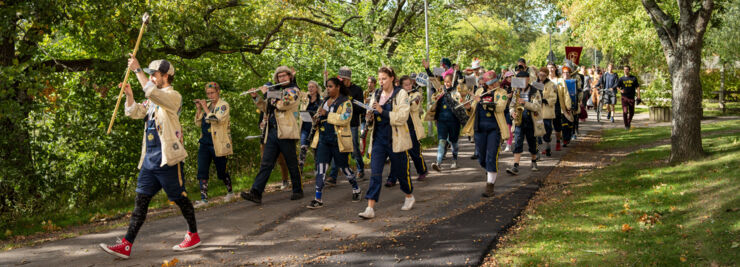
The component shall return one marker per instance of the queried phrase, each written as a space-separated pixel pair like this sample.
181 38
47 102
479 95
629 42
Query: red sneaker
191 241
121 249
557 146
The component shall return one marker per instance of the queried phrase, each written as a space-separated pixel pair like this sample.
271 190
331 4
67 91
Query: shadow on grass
641 211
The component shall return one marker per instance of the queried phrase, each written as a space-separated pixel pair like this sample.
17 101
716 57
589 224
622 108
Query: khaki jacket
564 98
340 118
398 120
535 107
286 111
549 94
415 111
499 101
432 112
220 127
166 103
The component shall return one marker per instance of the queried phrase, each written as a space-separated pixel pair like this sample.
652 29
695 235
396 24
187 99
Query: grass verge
640 211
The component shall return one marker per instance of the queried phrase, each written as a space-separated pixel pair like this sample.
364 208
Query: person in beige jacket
162 153
280 108
389 138
215 140
333 139
549 99
488 125
530 98
416 130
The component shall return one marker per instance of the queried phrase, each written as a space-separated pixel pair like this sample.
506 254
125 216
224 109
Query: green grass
733 109
619 137
678 215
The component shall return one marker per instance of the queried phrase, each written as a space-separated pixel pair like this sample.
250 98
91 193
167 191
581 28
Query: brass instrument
473 98
518 107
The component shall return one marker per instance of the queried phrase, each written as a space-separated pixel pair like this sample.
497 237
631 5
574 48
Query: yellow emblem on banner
322 129
444 106
377 118
488 114
150 137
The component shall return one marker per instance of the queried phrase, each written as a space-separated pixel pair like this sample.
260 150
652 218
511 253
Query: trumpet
259 88
471 100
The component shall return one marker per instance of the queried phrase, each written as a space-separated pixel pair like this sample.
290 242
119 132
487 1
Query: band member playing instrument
333 141
549 100
215 140
562 112
416 129
389 138
162 152
309 102
448 124
530 99
567 105
281 133
488 125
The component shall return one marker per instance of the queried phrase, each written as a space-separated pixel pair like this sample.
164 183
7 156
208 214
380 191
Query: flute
257 89
196 101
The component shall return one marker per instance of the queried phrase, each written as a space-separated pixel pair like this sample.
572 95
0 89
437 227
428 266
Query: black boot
253 196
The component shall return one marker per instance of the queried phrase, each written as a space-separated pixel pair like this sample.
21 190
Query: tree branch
228 4
704 14
664 24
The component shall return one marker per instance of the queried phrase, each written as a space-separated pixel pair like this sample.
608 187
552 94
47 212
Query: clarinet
315 123
369 124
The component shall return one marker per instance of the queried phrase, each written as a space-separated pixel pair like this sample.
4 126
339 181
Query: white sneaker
454 165
229 197
200 203
408 203
508 148
369 213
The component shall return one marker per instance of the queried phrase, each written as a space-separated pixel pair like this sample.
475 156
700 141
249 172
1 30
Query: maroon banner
573 53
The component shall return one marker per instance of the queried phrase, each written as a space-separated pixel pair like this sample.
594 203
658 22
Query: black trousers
273 148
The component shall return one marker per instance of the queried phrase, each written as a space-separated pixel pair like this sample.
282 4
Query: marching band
386 120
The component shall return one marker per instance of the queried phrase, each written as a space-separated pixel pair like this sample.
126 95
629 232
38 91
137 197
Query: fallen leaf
626 227
683 259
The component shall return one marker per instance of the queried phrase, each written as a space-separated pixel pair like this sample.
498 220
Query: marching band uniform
281 133
162 153
448 124
488 125
389 138
527 129
333 141
215 144
417 132
549 101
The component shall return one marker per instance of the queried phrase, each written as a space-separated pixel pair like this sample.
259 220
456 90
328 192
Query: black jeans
273 148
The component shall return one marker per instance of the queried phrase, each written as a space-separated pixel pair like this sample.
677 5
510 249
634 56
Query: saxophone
519 108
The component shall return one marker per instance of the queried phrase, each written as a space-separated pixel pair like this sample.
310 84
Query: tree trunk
686 106
722 88
682 43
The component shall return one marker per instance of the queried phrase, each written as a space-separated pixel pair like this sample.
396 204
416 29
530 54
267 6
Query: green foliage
710 84
658 92
723 38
